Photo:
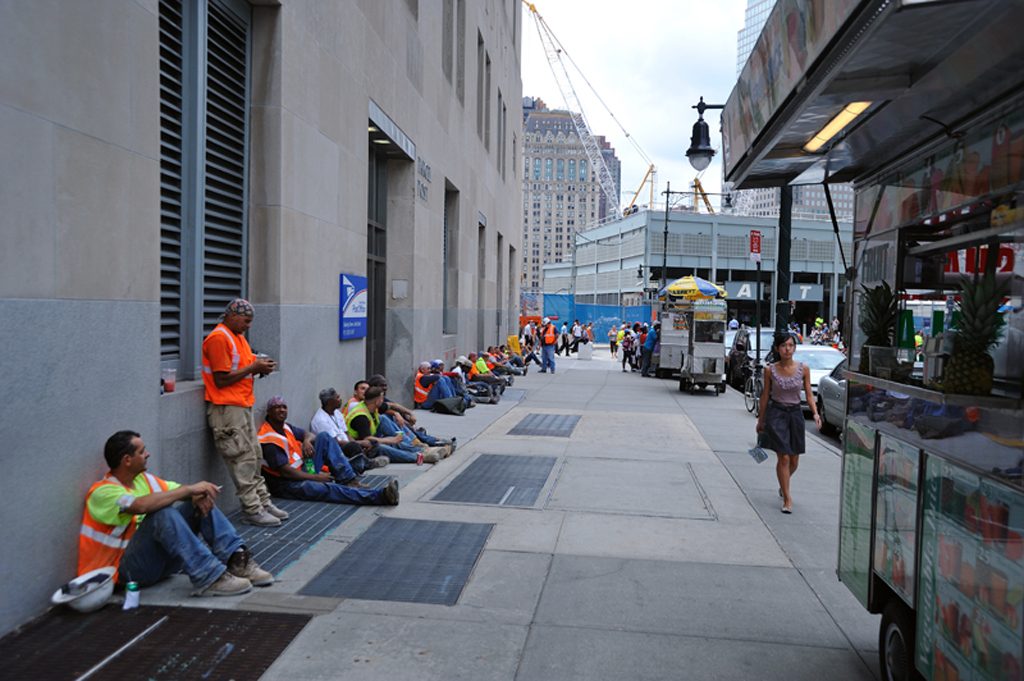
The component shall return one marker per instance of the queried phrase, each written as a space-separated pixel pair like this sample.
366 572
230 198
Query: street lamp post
700 154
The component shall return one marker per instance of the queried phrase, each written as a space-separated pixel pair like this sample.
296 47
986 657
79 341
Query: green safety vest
361 410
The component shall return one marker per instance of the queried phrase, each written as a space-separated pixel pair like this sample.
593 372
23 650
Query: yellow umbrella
691 288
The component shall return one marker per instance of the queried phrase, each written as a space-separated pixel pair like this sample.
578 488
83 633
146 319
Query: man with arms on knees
131 523
398 420
431 384
364 421
283 458
228 370
548 340
329 419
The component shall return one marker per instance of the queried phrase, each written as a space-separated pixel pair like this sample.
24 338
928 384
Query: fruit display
972 576
896 515
970 367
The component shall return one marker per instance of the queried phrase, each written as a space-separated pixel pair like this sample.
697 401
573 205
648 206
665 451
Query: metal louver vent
225 163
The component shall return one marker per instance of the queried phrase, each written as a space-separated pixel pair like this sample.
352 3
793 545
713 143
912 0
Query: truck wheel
896 643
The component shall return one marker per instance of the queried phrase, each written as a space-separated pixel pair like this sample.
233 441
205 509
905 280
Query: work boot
379 461
241 564
355 484
261 519
431 456
275 511
228 585
390 494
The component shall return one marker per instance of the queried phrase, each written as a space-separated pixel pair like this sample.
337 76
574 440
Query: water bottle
131 596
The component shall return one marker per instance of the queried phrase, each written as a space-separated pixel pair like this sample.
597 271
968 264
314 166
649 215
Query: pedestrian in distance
781 417
548 342
613 336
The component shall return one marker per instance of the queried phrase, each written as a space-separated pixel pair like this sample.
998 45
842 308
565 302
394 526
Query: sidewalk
654 550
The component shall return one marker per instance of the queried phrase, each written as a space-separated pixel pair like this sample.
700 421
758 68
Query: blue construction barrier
561 307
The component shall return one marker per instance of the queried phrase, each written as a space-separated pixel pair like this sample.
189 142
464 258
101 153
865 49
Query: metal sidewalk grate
402 559
546 425
503 479
191 643
513 394
275 548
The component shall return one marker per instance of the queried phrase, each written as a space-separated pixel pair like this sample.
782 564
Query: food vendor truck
919 104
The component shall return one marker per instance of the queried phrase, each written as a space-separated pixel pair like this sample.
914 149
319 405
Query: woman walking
782 418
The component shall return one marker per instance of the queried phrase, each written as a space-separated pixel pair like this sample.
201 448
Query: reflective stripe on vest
238 393
286 442
357 410
102 545
549 334
419 392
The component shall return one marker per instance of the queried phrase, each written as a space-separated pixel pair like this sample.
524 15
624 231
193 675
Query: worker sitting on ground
329 419
479 372
130 523
296 471
478 391
396 419
499 362
430 385
363 421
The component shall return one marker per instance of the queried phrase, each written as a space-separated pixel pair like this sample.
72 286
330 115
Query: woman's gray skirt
784 429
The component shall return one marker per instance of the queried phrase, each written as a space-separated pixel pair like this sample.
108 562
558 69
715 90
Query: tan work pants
237 442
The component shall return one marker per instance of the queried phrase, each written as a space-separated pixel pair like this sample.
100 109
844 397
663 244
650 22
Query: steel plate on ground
546 425
504 479
403 559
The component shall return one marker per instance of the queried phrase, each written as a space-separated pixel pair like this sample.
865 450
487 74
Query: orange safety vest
237 394
550 334
419 392
102 545
287 442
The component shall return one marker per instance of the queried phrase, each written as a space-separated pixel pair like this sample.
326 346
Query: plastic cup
170 377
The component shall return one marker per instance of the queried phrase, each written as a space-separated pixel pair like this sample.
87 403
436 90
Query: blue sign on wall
353 307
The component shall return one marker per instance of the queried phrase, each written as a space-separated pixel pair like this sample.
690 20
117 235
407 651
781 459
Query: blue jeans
327 452
547 354
396 455
311 490
645 367
388 428
168 541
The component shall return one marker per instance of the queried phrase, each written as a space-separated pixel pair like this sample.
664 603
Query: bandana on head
275 401
240 306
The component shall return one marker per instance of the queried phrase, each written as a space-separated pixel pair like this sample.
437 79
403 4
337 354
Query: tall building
809 202
561 192
350 167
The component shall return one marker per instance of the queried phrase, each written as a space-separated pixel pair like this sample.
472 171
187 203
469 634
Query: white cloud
650 61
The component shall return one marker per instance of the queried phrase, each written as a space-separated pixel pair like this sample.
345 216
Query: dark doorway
376 262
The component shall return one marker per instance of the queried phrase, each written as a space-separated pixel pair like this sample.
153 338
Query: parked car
743 351
821 360
832 400
730 335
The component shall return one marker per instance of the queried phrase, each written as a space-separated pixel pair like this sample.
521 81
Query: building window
203 162
547 168
560 173
450 317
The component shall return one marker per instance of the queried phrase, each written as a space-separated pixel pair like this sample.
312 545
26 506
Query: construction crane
554 52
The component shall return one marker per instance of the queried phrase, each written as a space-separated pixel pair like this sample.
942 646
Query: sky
650 61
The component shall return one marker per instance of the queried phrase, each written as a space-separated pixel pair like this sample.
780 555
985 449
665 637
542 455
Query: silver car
821 360
832 400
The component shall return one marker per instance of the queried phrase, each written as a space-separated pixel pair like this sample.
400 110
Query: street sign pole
755 255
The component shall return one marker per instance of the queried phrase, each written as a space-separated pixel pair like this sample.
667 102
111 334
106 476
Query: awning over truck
900 75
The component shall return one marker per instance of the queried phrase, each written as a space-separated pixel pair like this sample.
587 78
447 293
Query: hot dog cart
921 106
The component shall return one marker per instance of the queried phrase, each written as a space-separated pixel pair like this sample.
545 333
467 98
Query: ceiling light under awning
842 119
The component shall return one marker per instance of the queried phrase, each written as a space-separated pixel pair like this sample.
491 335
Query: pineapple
878 314
970 367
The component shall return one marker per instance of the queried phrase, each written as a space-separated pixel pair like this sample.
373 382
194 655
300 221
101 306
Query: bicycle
752 389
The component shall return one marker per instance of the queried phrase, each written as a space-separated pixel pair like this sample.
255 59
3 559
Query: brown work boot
390 494
261 519
431 456
380 461
241 564
275 511
355 484
227 585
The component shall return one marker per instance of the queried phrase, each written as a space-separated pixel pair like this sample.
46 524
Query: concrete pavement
656 551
